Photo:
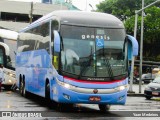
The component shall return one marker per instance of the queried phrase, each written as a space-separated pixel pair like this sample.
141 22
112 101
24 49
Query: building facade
15 15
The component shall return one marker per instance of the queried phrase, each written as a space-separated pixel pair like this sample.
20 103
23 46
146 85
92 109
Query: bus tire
23 91
63 107
21 87
148 97
104 108
47 91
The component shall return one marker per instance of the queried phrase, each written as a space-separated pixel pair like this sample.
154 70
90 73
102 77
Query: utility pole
135 34
133 58
31 13
141 49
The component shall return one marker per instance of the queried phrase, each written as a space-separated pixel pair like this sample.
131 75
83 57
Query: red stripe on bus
93 82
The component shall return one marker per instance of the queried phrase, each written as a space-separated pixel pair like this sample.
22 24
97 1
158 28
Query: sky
86 5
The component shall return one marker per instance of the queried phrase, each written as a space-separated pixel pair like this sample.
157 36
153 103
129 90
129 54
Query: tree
125 10
121 8
151 32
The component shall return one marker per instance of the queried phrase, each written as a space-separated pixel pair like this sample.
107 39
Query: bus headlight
120 88
65 85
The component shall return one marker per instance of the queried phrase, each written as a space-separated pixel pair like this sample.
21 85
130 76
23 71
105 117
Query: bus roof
8 34
82 18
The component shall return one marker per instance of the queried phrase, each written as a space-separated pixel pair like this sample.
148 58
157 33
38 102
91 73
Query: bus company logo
95 91
98 79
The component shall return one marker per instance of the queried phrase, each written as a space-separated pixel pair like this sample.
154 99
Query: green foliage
125 10
151 32
152 20
121 8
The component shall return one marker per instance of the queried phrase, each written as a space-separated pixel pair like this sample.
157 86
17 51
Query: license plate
95 98
155 93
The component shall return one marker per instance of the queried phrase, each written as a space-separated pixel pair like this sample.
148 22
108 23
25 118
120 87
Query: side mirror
57 41
132 46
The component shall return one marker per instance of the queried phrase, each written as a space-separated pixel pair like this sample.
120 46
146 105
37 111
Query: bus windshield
93 53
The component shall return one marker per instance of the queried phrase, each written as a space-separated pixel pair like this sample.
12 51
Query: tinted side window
25 41
42 37
34 39
54 26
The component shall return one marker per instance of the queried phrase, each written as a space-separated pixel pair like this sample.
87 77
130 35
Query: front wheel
148 97
63 107
104 107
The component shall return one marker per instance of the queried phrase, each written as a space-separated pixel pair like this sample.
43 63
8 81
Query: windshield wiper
84 67
110 71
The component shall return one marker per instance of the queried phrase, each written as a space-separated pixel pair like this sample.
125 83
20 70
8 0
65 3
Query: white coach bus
8 41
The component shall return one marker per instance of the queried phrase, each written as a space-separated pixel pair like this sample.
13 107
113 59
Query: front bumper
64 95
152 93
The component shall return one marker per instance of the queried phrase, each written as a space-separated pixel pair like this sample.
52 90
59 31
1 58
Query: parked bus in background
8 44
75 57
